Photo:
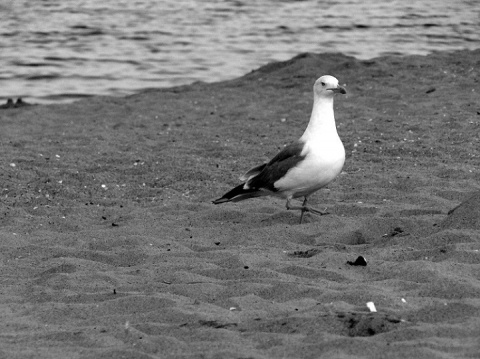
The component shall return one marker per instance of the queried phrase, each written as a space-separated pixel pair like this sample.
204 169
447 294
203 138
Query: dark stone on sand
465 216
9 104
17 104
360 261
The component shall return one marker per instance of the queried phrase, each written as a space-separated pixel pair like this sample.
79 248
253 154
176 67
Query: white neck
322 120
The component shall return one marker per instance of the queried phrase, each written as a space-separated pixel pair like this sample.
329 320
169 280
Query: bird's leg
304 204
304 208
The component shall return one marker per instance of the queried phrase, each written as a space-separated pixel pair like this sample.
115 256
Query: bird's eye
323 83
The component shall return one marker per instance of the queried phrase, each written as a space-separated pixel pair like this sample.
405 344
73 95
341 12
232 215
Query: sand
111 248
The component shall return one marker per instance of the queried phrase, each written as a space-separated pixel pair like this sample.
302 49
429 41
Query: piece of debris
371 306
397 231
305 254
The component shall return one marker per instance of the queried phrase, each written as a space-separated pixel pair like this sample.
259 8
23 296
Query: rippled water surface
59 50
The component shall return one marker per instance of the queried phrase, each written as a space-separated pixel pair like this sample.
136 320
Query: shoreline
71 97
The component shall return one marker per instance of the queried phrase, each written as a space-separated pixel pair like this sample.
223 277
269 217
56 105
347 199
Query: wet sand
111 247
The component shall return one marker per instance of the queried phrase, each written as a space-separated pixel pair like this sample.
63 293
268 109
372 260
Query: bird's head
327 86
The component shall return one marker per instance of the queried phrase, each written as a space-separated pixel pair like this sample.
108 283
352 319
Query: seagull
304 166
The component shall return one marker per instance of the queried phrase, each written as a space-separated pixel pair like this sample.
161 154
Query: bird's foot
304 209
312 210
308 209
316 211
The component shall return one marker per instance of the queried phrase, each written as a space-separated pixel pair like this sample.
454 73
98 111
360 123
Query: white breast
323 162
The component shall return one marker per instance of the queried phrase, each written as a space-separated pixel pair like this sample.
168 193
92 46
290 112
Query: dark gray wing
278 167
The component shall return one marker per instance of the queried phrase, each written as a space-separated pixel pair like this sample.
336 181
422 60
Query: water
61 50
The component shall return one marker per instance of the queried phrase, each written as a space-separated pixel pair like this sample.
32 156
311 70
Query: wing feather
278 167
252 172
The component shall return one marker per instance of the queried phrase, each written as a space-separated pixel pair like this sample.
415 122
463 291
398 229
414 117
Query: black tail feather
239 194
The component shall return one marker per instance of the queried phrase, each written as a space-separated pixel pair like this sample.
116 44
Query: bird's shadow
261 217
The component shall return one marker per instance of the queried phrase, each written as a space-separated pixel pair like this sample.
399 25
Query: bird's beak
338 89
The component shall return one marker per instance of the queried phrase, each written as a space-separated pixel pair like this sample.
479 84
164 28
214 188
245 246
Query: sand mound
464 216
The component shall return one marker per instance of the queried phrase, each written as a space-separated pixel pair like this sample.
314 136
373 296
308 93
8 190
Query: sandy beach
111 247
